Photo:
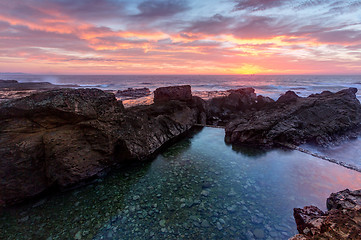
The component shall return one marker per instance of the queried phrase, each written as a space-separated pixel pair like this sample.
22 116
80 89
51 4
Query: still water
199 188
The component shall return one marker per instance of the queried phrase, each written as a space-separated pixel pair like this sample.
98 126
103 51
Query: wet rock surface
319 118
341 221
63 137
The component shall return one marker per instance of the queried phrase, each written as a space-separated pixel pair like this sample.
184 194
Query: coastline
63 126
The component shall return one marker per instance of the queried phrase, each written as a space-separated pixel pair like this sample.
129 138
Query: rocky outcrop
63 137
222 110
12 89
181 93
319 118
13 85
341 221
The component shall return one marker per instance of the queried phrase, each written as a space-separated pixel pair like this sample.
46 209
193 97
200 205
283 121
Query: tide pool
198 188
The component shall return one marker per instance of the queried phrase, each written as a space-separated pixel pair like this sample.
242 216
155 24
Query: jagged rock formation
341 221
319 118
63 137
222 110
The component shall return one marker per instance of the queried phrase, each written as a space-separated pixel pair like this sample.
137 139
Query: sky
180 36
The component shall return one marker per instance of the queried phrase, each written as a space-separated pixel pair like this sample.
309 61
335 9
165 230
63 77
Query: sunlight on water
199 188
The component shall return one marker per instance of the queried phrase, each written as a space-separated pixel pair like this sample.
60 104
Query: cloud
166 35
151 9
216 24
257 27
22 36
257 5
339 36
87 9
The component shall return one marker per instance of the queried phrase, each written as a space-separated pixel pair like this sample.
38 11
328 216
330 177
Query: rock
181 93
318 118
232 193
13 85
132 93
205 224
232 208
288 97
263 102
206 185
77 235
342 221
64 137
162 223
205 193
345 199
307 217
136 197
219 226
258 233
221 110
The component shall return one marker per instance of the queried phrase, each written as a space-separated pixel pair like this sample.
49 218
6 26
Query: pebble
232 208
219 226
258 233
77 235
205 223
232 193
256 220
162 223
136 197
205 193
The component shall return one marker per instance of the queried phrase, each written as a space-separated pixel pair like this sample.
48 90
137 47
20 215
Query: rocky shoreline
64 137
341 221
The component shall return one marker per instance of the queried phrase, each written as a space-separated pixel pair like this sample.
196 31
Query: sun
250 69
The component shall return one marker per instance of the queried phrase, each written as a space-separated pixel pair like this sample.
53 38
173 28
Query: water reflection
199 188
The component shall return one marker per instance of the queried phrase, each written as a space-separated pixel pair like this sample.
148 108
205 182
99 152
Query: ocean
268 85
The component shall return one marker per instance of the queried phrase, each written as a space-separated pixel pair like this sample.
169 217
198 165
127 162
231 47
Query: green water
199 188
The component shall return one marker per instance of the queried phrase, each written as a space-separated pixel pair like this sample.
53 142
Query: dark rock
181 93
64 137
319 119
263 102
132 93
345 199
224 109
306 217
13 85
288 97
342 221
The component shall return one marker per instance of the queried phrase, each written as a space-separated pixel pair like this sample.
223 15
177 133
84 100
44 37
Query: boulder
320 119
345 199
64 137
342 221
288 97
181 93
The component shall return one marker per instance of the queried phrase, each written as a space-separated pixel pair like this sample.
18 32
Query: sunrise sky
180 36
